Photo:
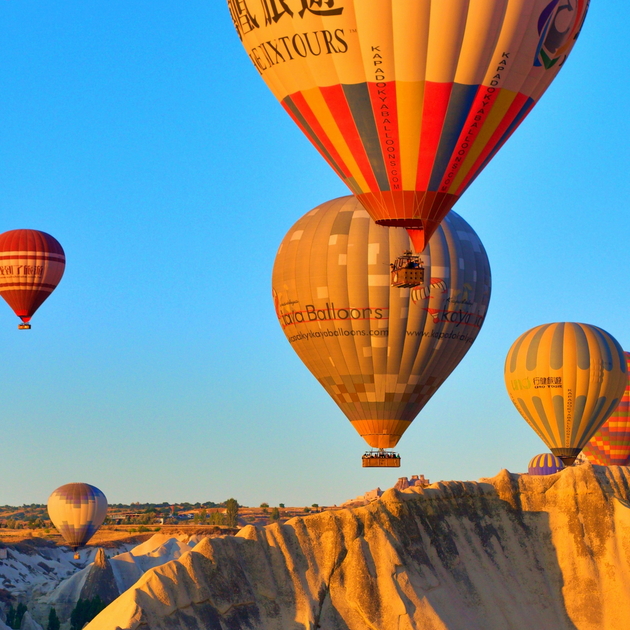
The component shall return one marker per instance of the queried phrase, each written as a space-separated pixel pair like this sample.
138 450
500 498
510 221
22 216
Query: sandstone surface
514 551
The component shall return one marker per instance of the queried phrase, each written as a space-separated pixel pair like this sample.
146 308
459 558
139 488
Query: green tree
53 620
281 505
315 505
85 611
216 518
231 514
264 505
14 616
275 514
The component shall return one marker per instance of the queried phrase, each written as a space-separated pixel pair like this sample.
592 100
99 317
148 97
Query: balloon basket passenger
407 271
381 459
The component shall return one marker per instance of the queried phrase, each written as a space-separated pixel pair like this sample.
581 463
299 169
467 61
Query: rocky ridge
513 551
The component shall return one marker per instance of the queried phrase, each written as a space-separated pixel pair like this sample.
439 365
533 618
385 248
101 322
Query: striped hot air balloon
379 352
610 446
31 266
408 100
77 510
566 379
545 464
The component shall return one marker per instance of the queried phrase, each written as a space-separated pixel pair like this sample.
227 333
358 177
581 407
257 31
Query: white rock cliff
513 551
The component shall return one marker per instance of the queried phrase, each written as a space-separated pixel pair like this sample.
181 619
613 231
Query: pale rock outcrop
513 551
28 623
108 577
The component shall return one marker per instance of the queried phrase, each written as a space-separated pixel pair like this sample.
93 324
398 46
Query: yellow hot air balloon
408 100
380 352
566 379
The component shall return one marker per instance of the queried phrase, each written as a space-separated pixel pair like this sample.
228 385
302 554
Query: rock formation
100 580
514 552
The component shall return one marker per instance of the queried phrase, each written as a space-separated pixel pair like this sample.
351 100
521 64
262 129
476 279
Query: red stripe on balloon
340 110
318 130
508 119
436 99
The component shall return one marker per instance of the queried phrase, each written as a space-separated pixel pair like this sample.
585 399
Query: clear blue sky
141 137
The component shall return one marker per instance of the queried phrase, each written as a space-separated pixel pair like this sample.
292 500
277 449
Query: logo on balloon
559 25
248 15
436 287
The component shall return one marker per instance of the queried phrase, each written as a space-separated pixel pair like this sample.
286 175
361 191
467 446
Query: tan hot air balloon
408 100
77 510
380 352
566 379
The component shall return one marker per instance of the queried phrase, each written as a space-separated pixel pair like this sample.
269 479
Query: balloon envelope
545 464
31 266
565 379
407 100
610 446
77 510
380 352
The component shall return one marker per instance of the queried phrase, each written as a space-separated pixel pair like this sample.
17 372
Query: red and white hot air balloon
31 266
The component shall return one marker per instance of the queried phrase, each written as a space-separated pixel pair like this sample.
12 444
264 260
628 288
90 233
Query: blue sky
142 138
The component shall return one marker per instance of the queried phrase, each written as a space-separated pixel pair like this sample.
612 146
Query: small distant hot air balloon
610 446
31 266
566 379
380 352
77 510
545 464
408 100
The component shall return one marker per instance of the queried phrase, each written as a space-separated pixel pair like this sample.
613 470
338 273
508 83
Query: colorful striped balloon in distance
566 379
77 510
545 464
610 446
31 266
379 351
408 101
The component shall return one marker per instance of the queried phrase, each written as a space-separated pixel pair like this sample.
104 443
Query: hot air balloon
380 352
77 510
31 266
565 379
610 446
545 464
408 101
